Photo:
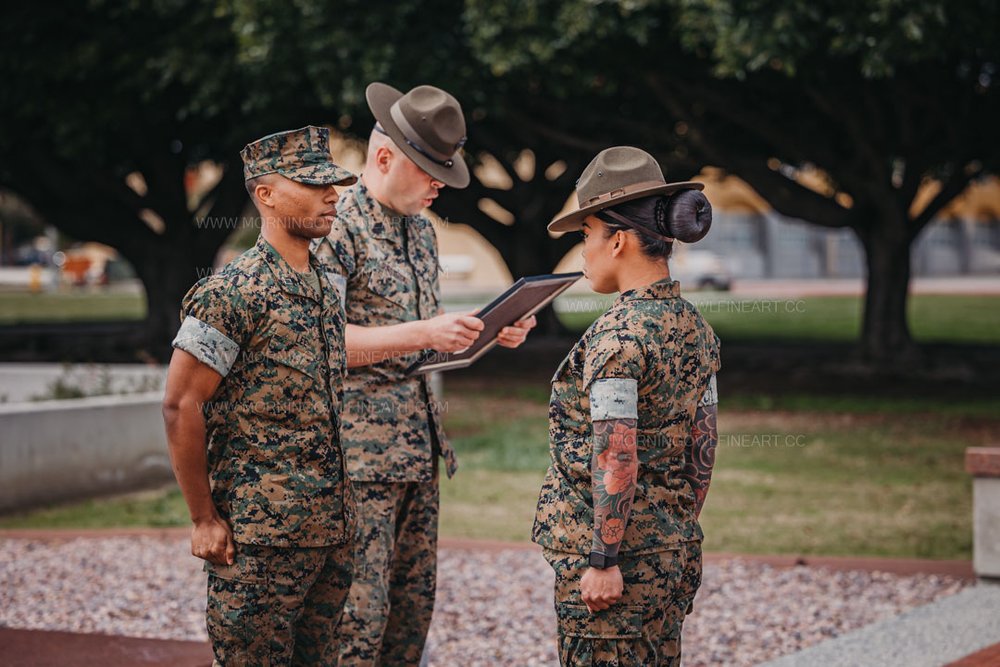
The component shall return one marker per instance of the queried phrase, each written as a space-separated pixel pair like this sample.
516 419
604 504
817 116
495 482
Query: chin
600 287
317 230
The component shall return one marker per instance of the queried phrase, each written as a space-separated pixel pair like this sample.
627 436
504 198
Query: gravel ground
494 607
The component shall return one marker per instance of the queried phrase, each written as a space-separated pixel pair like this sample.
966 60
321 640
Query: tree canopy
881 97
108 104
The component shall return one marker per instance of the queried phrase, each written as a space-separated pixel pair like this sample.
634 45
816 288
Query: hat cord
618 217
449 163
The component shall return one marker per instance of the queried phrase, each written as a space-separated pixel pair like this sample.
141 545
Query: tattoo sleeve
700 454
614 468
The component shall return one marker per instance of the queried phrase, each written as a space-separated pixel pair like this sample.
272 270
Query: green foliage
878 35
69 306
837 318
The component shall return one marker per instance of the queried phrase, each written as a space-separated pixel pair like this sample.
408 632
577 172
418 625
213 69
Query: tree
879 97
108 106
96 92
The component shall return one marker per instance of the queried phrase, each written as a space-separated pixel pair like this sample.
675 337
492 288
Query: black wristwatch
602 561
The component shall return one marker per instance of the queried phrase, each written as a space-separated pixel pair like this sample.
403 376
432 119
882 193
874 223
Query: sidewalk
41 648
963 629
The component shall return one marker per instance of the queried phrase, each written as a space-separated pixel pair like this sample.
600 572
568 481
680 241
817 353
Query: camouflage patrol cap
302 155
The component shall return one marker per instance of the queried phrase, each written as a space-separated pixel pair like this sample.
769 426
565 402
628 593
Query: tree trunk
885 334
167 271
525 247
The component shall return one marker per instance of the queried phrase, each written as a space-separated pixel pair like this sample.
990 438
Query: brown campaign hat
427 125
302 155
616 175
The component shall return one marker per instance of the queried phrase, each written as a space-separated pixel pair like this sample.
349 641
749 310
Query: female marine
631 425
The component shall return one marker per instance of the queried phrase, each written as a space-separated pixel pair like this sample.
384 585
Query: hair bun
685 215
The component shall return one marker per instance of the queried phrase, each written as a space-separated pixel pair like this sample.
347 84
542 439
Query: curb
960 569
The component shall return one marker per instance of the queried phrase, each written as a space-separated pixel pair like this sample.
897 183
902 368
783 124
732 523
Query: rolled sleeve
216 322
207 344
614 398
711 395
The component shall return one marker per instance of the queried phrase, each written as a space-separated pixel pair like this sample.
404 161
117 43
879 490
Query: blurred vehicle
87 264
701 269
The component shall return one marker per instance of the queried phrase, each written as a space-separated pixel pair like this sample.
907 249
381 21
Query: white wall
60 450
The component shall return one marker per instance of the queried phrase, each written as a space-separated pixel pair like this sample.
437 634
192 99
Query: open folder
523 299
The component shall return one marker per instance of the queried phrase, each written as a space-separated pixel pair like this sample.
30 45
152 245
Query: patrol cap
302 155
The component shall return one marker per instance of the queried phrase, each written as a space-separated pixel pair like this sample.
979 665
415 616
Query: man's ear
264 194
383 158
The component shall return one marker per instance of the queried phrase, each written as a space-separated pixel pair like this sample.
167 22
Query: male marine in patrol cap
251 410
387 252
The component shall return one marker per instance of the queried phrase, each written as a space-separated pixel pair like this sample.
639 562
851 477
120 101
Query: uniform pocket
291 353
287 383
390 284
616 622
239 611
609 637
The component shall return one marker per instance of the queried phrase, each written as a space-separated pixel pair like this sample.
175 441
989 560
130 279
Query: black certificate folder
523 299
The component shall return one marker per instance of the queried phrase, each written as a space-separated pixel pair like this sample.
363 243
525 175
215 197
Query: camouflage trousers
389 608
643 629
278 606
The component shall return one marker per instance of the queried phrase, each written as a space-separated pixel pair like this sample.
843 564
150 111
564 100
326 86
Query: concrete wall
986 526
29 382
771 246
60 450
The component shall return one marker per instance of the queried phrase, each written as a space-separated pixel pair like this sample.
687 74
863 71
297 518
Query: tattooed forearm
615 468
700 454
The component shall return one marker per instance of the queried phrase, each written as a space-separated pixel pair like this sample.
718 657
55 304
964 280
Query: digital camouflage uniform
274 455
659 343
391 432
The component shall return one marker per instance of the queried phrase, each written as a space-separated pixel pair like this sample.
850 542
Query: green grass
933 318
158 508
70 306
489 504
851 477
841 485
862 404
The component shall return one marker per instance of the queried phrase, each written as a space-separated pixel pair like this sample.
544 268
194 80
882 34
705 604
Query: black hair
251 185
685 215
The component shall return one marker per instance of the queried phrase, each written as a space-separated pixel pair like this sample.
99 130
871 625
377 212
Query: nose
331 196
437 185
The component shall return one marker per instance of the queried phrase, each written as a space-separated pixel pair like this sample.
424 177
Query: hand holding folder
522 300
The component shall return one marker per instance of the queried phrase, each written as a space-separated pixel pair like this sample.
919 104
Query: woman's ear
618 245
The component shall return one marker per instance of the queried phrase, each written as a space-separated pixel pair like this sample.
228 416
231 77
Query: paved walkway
42 648
962 629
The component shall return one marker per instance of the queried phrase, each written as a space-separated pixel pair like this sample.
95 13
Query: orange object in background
75 268
35 279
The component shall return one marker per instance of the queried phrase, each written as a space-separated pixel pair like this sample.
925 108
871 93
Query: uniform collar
287 278
383 222
661 289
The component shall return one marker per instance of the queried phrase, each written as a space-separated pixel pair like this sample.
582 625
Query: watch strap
602 561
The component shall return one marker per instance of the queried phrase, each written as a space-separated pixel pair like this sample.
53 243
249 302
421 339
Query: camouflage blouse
392 424
274 454
655 339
